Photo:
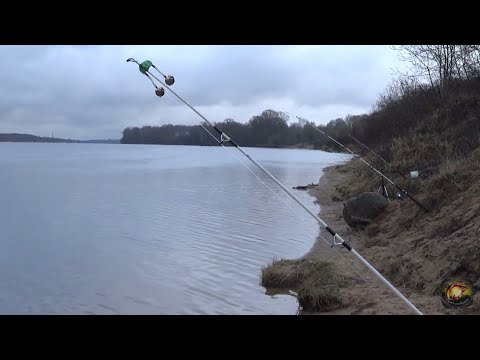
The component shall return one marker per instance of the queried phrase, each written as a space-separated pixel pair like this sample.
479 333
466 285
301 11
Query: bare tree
435 62
439 64
467 61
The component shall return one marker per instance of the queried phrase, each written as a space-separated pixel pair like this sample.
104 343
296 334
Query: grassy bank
413 250
316 282
435 133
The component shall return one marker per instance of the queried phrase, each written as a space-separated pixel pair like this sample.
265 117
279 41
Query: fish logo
457 293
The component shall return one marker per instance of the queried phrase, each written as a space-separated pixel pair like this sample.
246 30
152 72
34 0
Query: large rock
362 209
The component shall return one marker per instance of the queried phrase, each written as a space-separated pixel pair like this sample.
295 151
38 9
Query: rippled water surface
133 229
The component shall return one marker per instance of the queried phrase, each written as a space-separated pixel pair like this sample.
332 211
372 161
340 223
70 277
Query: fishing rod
334 152
374 169
381 158
345 161
144 68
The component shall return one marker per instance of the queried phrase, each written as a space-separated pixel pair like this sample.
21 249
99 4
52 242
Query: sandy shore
369 295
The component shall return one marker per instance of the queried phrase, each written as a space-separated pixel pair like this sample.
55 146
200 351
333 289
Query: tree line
269 129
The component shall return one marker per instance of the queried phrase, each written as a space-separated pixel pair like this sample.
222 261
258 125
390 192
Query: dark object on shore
362 209
306 187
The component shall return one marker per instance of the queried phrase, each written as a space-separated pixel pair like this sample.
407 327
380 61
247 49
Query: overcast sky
91 92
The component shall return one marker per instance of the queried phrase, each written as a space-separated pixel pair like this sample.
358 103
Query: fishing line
230 151
394 170
290 207
378 156
337 239
371 167
333 151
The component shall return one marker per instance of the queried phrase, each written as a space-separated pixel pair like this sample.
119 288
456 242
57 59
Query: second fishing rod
378 156
373 168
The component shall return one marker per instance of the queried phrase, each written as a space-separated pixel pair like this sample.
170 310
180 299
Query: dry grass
281 274
455 175
423 152
316 283
444 172
368 180
403 271
371 230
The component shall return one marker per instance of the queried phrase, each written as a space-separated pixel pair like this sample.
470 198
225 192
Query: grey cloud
91 92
